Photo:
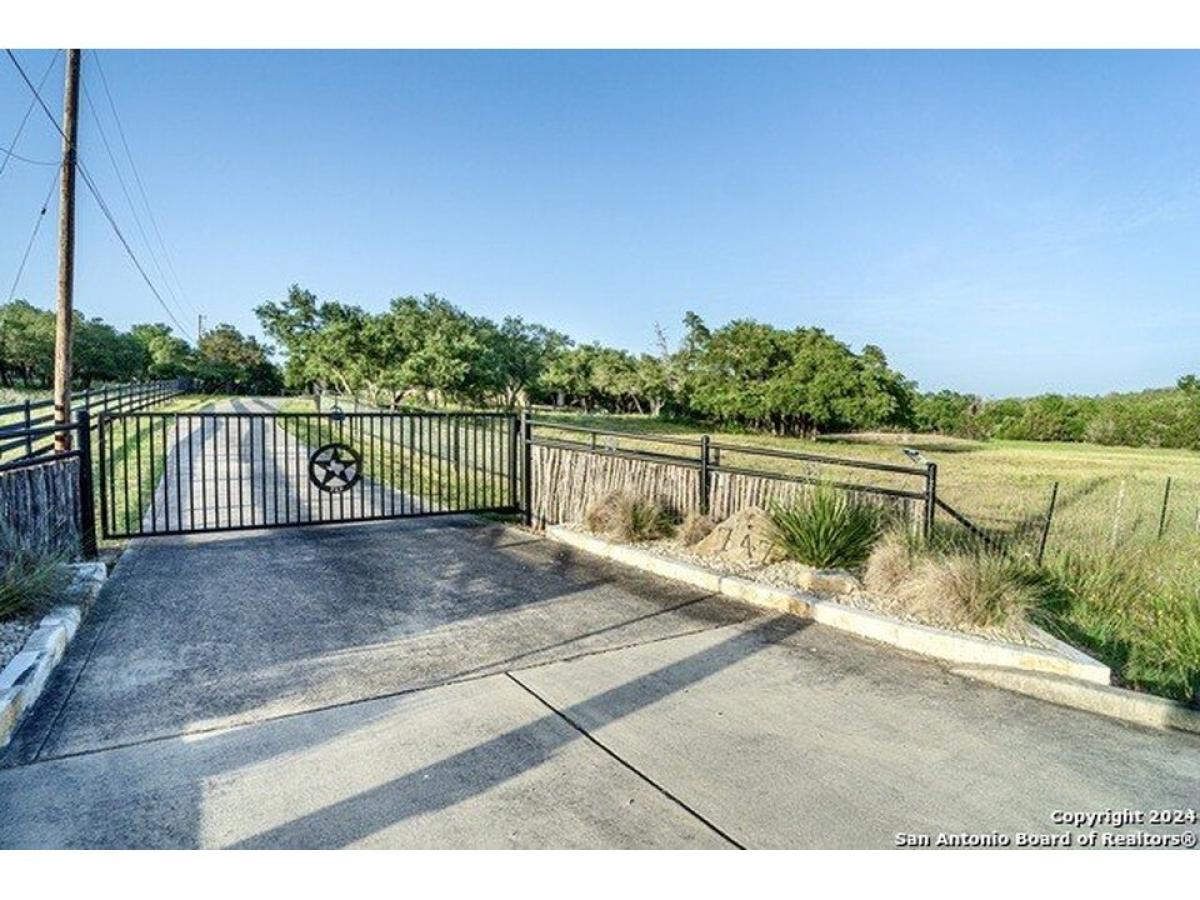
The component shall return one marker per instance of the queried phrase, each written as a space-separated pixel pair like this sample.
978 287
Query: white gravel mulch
13 633
785 574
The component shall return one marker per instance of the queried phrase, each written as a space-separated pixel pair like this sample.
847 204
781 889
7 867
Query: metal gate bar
185 473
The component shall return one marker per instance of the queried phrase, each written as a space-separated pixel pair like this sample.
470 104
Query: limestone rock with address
746 536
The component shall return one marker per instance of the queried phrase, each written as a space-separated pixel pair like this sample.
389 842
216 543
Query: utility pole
65 315
199 328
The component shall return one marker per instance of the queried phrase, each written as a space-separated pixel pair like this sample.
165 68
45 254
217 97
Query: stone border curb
1105 700
923 639
25 676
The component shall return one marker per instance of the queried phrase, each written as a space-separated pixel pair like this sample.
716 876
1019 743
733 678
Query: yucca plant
827 528
31 577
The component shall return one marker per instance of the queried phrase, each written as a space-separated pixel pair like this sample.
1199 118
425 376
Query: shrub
890 563
625 516
983 589
695 528
31 578
950 584
827 528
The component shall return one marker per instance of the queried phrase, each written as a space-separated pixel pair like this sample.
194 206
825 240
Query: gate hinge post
527 468
87 496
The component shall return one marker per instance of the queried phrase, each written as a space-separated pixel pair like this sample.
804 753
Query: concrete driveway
447 682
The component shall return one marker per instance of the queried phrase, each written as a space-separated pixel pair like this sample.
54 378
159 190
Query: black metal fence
709 459
22 431
82 496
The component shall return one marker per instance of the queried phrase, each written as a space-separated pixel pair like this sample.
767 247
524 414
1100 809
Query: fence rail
32 430
40 493
714 477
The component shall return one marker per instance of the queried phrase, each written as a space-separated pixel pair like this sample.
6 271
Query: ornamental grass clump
695 528
31 577
827 528
630 518
948 583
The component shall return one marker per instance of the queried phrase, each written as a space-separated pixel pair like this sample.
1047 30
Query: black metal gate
181 473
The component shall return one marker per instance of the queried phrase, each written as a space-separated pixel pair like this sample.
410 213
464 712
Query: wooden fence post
704 476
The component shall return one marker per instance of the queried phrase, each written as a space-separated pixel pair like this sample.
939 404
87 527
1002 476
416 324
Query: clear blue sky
1006 223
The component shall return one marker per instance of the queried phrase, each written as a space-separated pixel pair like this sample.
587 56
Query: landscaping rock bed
840 588
33 646
1029 651
13 634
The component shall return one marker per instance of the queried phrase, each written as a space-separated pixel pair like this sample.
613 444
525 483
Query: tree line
1161 417
425 351
225 360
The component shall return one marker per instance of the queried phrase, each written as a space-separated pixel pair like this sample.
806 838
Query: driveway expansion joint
592 739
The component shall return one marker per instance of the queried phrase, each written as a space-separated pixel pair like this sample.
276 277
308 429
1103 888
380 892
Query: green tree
26 343
947 412
518 353
101 353
167 356
232 362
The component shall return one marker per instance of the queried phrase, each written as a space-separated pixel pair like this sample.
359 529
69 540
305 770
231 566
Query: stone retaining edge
923 639
1063 675
1049 672
25 676
1105 700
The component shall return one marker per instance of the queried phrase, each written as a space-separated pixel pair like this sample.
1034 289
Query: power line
37 224
8 154
137 178
128 200
95 191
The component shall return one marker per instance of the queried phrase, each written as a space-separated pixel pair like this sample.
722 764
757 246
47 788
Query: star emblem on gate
334 468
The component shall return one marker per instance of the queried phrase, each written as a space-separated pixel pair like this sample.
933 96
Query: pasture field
1110 494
